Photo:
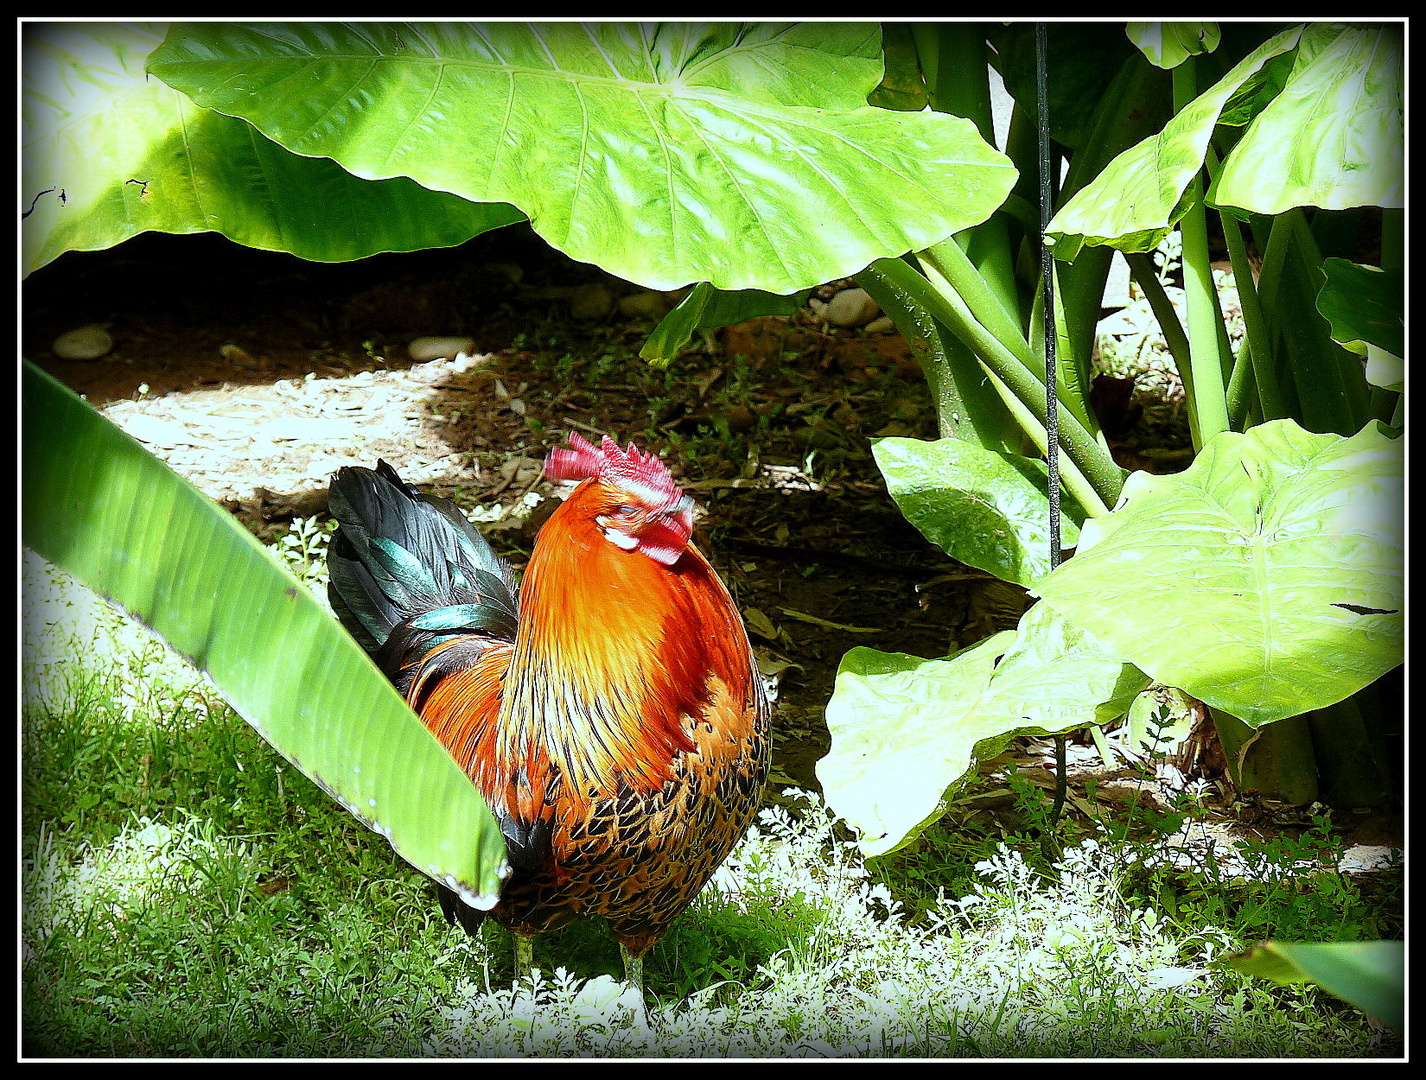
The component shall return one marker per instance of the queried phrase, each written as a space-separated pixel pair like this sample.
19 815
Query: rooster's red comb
629 469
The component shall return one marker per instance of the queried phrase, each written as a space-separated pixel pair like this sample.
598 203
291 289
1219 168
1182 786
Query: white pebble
647 304
591 302
439 348
86 343
852 307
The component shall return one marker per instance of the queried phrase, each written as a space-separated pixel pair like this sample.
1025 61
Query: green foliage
1167 45
890 780
987 511
108 152
1332 137
709 308
1151 180
215 903
684 153
741 156
173 861
1364 306
1240 585
1369 974
1284 887
146 540
1266 580
746 157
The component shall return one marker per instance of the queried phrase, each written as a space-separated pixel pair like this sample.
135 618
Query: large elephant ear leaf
907 732
743 155
108 152
1268 576
984 508
1334 137
99 506
1144 191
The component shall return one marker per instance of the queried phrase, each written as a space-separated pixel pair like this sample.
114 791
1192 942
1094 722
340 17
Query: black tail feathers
408 571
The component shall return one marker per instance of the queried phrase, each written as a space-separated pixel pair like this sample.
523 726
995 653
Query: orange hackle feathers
620 737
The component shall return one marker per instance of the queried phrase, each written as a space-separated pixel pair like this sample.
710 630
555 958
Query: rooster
609 710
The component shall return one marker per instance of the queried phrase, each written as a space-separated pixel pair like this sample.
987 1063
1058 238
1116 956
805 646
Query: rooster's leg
633 969
524 956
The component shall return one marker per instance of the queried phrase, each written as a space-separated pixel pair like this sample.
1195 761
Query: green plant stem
953 61
1256 356
1142 269
1241 391
954 272
1208 411
1270 274
967 405
1071 478
1089 473
1239 394
1331 393
1078 296
1275 758
953 58
1257 343
951 271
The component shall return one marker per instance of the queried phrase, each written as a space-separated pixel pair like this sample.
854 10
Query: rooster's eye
625 512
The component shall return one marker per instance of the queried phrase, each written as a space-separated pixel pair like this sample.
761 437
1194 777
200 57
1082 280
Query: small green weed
304 549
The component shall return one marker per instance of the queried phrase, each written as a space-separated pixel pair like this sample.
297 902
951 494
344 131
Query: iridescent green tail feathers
408 571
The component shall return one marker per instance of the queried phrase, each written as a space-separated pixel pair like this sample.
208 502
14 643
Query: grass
187 893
